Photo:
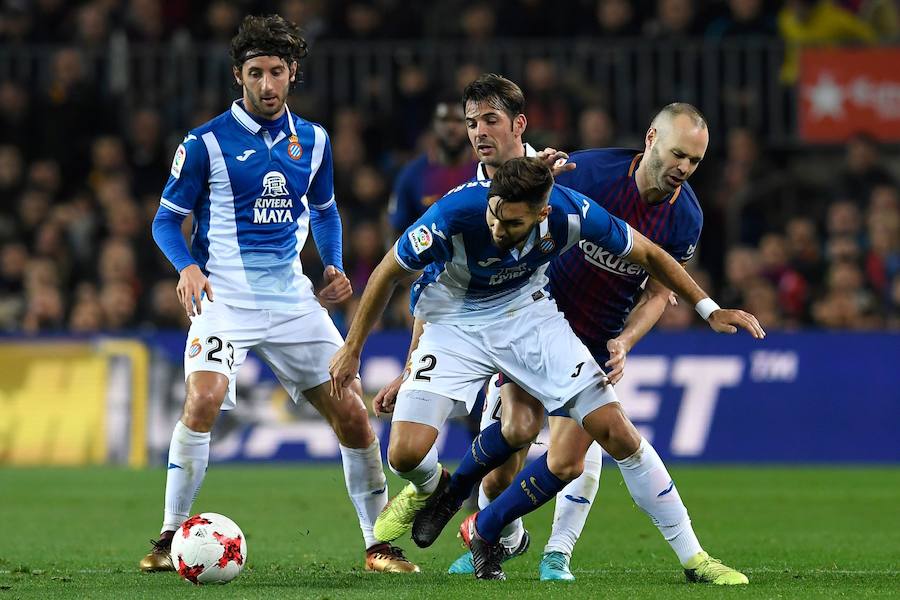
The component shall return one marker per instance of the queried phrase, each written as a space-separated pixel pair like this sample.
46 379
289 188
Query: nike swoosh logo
438 232
174 466
188 138
578 499
537 487
245 155
381 491
667 490
488 262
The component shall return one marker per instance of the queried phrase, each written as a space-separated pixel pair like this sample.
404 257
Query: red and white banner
847 91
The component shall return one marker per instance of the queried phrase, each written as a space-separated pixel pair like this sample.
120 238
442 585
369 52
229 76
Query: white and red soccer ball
209 548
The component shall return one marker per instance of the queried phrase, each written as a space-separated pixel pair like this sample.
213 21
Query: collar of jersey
241 116
481 172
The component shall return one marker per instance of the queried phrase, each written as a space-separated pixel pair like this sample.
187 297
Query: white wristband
706 307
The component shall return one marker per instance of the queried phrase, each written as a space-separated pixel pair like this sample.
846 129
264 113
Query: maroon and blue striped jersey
594 288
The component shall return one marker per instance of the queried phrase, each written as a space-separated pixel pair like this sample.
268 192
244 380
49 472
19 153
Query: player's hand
616 363
337 287
191 285
386 398
727 320
343 369
556 160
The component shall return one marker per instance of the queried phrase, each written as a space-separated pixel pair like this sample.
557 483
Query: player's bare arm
661 266
643 317
345 364
191 285
384 400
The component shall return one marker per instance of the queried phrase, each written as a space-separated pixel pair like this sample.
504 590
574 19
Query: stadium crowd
798 244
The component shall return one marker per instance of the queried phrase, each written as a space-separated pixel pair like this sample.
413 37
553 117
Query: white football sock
511 535
653 489
426 476
366 485
188 459
573 504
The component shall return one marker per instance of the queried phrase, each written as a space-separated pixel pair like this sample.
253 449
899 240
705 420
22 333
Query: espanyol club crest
294 149
195 348
547 244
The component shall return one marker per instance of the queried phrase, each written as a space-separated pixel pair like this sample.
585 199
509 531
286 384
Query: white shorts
297 345
535 347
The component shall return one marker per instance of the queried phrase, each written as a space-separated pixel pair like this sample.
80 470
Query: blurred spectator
791 290
71 113
365 252
92 27
16 127
614 18
306 14
147 156
446 163
595 129
13 261
745 18
805 249
549 105
144 21
674 19
862 170
843 220
165 311
119 306
477 22
805 23
741 270
222 20
882 15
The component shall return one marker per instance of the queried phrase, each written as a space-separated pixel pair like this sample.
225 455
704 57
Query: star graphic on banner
827 97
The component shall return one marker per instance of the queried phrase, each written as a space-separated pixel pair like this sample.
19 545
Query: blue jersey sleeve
321 188
604 229
188 177
424 242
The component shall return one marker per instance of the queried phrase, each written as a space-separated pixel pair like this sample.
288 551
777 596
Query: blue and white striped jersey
250 196
469 280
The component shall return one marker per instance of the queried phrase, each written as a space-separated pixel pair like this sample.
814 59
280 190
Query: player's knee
201 408
352 426
566 468
521 431
623 438
403 458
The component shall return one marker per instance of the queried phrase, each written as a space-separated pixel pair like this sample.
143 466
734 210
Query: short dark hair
525 179
269 35
683 108
498 91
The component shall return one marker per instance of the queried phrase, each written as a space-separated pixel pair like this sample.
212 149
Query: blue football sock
488 451
534 486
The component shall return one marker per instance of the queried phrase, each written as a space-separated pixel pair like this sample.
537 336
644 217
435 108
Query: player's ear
650 137
519 124
294 71
237 75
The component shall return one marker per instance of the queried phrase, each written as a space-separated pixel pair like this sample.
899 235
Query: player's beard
656 170
260 108
452 148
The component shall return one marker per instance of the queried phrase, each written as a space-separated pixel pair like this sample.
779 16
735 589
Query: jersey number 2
428 362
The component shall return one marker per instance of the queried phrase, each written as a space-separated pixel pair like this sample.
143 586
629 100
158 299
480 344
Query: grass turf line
796 532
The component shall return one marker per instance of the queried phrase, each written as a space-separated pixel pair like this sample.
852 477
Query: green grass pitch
796 532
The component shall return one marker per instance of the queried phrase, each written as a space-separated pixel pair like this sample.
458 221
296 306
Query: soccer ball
209 548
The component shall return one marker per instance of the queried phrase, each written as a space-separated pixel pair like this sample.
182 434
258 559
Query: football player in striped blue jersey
256 180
